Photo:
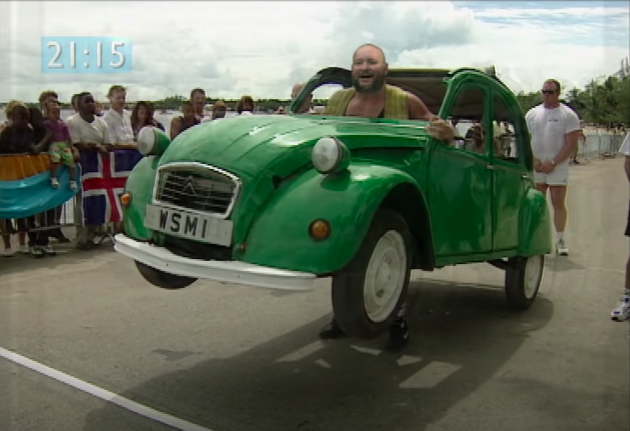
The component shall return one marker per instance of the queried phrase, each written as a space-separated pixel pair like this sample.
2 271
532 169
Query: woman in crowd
141 116
185 121
245 106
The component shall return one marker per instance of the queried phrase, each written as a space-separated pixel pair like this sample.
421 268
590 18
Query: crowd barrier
28 202
600 145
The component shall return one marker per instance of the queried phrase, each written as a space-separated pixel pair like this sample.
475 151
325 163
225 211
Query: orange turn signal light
125 199
319 230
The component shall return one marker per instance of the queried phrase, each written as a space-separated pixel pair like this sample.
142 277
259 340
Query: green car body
460 207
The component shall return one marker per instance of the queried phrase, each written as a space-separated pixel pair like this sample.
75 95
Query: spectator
18 138
118 119
245 106
88 132
622 310
141 116
185 121
554 129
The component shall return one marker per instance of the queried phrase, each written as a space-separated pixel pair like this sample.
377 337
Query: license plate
189 225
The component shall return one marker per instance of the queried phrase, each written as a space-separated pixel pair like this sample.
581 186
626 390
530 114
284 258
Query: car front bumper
222 271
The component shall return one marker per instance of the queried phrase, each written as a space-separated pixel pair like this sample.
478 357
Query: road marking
323 363
408 360
429 376
103 394
373 352
302 352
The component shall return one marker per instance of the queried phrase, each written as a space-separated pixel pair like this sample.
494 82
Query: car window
466 116
322 93
504 137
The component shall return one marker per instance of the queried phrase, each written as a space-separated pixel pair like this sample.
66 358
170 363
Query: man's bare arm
570 144
418 110
175 126
626 167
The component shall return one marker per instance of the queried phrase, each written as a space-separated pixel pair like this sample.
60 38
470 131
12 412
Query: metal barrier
600 146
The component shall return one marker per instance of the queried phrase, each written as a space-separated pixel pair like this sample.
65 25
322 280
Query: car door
510 173
460 177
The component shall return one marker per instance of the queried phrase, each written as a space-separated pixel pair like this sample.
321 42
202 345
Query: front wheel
368 293
163 279
523 279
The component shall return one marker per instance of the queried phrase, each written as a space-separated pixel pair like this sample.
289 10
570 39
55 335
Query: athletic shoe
622 311
561 248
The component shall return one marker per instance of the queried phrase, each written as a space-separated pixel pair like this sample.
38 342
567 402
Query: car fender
140 185
534 225
279 235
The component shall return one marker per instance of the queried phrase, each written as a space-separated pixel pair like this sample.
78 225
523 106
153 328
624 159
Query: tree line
603 101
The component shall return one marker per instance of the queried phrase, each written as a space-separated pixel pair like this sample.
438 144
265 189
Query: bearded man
370 97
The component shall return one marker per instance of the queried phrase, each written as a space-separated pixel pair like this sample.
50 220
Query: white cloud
263 48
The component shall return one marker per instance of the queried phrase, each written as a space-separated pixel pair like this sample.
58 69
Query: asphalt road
232 358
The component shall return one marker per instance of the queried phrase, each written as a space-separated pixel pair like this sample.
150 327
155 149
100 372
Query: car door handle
490 167
524 176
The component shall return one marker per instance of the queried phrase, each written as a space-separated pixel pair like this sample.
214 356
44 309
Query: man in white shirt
87 131
622 311
118 119
554 130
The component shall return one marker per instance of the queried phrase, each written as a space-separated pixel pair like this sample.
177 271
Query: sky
262 48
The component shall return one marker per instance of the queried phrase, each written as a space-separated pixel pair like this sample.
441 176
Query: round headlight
329 155
152 141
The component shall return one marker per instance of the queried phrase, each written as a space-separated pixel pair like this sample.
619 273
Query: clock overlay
84 55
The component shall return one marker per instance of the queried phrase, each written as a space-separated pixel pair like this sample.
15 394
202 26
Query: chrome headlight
152 141
330 155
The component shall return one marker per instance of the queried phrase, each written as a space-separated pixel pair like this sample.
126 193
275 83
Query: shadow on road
461 337
561 263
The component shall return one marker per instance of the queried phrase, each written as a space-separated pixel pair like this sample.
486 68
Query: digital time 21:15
67 54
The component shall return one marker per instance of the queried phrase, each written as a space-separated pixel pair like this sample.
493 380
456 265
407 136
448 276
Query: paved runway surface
232 358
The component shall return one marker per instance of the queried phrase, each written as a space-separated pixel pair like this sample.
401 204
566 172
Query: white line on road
104 394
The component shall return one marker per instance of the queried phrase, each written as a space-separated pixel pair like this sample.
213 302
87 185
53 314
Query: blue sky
263 48
609 30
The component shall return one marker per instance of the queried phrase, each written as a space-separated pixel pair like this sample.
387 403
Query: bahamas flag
25 188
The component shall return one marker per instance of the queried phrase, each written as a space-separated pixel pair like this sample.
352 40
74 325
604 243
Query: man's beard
378 81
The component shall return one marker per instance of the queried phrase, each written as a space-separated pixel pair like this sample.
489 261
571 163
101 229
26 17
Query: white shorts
558 177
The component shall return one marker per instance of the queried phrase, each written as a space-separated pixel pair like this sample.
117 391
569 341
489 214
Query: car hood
247 146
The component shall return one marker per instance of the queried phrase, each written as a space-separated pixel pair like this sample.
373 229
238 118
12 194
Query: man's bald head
371 49
296 89
306 103
369 69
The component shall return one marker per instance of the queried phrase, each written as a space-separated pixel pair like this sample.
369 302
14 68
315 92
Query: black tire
519 295
163 279
348 285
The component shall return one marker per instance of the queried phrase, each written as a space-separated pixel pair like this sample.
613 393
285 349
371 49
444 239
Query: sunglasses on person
547 91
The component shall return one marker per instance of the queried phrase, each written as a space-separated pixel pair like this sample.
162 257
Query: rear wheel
163 279
523 279
368 293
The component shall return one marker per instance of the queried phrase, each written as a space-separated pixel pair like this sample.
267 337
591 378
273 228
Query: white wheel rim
385 276
533 275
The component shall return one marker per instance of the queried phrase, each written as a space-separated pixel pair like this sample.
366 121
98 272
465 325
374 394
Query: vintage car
277 201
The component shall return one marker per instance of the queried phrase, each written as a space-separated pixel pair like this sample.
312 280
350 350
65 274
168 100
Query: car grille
197 187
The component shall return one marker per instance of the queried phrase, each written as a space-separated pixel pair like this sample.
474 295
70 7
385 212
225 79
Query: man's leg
558 200
622 310
398 331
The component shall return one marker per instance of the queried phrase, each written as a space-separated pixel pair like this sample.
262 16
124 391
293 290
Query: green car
277 201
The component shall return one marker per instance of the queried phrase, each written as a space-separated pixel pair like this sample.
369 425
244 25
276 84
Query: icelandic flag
103 181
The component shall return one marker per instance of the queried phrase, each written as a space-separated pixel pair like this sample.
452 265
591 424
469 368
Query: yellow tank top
395 103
